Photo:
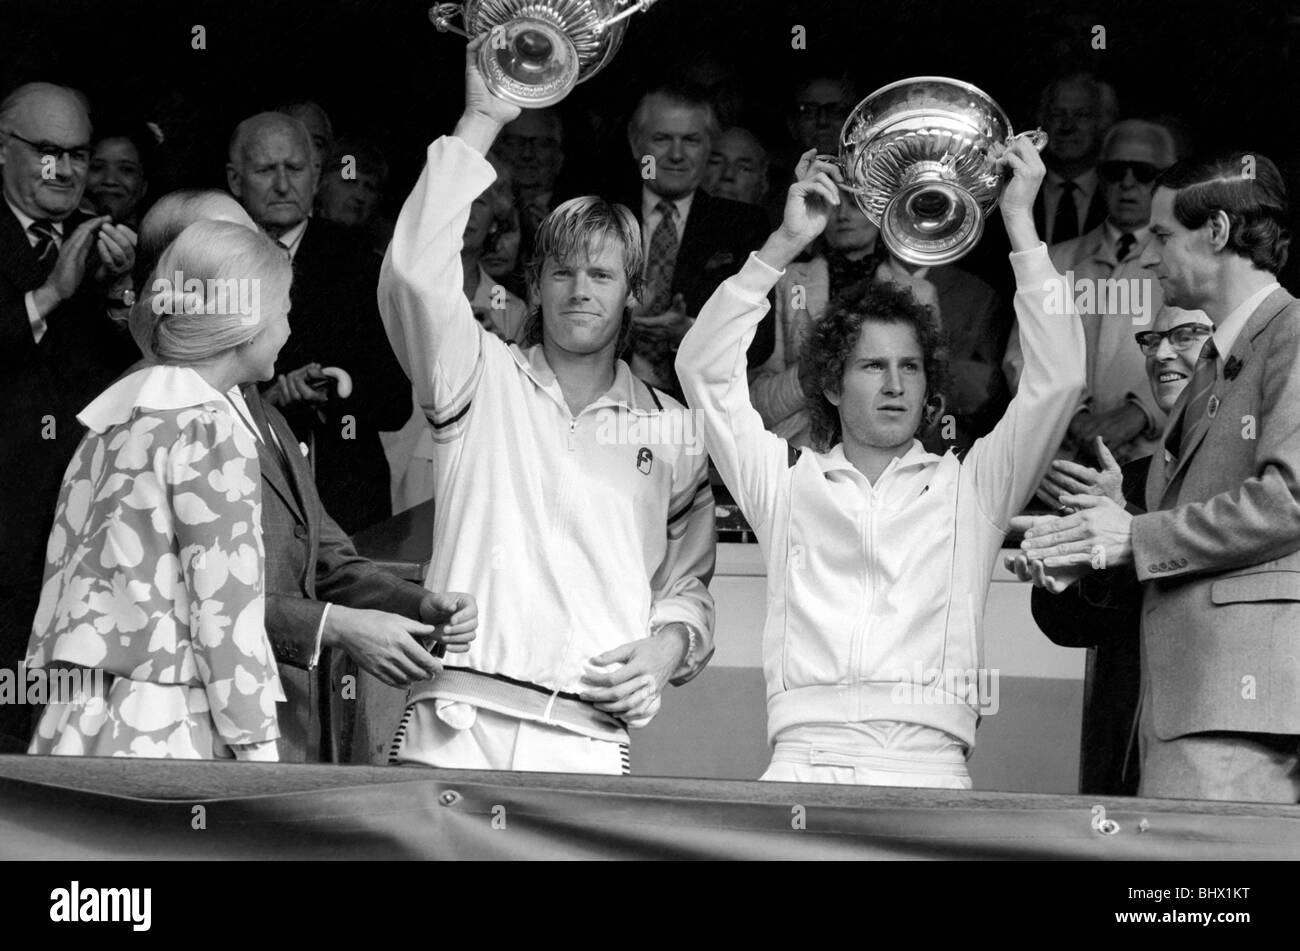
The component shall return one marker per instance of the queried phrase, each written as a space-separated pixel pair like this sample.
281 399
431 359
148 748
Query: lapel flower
1231 368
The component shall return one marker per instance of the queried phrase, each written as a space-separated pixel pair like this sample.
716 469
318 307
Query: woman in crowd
154 566
117 180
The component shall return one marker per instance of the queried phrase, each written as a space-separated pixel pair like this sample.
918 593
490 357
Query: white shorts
491 740
876 753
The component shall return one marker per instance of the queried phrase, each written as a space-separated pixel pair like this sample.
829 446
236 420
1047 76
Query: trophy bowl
538 50
916 158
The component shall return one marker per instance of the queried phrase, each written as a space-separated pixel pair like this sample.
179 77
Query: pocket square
1231 368
720 260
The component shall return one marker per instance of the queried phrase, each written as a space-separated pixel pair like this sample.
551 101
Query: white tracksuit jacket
573 538
875 595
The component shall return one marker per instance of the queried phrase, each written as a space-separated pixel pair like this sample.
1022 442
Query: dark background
1227 73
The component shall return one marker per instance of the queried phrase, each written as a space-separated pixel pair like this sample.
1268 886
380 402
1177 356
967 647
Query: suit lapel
1242 348
272 462
692 235
19 253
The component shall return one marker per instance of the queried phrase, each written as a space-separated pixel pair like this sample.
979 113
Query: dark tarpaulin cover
83 808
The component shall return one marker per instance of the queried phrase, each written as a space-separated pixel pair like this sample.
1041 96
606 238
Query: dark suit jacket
1096 214
1220 546
334 319
717 240
1104 611
42 388
311 561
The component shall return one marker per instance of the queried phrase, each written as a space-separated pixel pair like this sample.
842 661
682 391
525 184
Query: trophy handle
1037 138
845 185
441 14
638 7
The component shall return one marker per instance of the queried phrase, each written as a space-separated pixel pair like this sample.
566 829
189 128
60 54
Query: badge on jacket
645 459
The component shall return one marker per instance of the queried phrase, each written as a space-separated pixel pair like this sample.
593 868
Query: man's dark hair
1248 188
833 338
134 131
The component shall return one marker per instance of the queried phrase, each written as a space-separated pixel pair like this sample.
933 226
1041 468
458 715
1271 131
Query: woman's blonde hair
209 293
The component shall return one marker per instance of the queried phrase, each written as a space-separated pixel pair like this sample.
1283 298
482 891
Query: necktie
1066 223
1126 242
285 248
1201 386
47 243
661 260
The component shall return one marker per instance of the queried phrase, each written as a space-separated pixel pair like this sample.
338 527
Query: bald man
58 346
334 317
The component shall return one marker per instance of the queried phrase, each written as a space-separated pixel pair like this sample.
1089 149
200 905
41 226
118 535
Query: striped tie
1201 386
47 243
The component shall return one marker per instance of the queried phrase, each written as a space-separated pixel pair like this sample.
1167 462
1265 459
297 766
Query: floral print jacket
154 566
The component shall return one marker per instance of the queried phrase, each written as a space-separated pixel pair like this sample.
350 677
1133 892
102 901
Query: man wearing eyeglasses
1116 296
58 346
820 107
1103 609
532 147
1219 548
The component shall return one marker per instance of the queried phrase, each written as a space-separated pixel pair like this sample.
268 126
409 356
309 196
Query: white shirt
1085 186
33 315
651 216
292 238
1226 333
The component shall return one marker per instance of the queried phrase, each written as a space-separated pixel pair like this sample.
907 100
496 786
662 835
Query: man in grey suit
1219 550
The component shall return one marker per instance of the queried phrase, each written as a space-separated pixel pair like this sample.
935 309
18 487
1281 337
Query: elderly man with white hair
1116 296
272 171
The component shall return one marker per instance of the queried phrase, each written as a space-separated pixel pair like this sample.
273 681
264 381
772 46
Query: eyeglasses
1115 170
1180 338
822 111
78 154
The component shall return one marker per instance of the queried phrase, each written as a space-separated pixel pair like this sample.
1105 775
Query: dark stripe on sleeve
690 503
445 423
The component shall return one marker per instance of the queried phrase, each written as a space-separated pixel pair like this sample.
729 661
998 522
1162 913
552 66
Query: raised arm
421 298
711 363
1008 463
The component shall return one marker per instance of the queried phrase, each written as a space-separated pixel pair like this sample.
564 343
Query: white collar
292 238
156 387
26 220
1226 333
650 201
917 455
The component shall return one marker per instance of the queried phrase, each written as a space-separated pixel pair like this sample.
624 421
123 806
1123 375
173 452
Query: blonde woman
153 587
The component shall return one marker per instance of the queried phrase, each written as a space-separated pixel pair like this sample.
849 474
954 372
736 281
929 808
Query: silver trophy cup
915 156
538 50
